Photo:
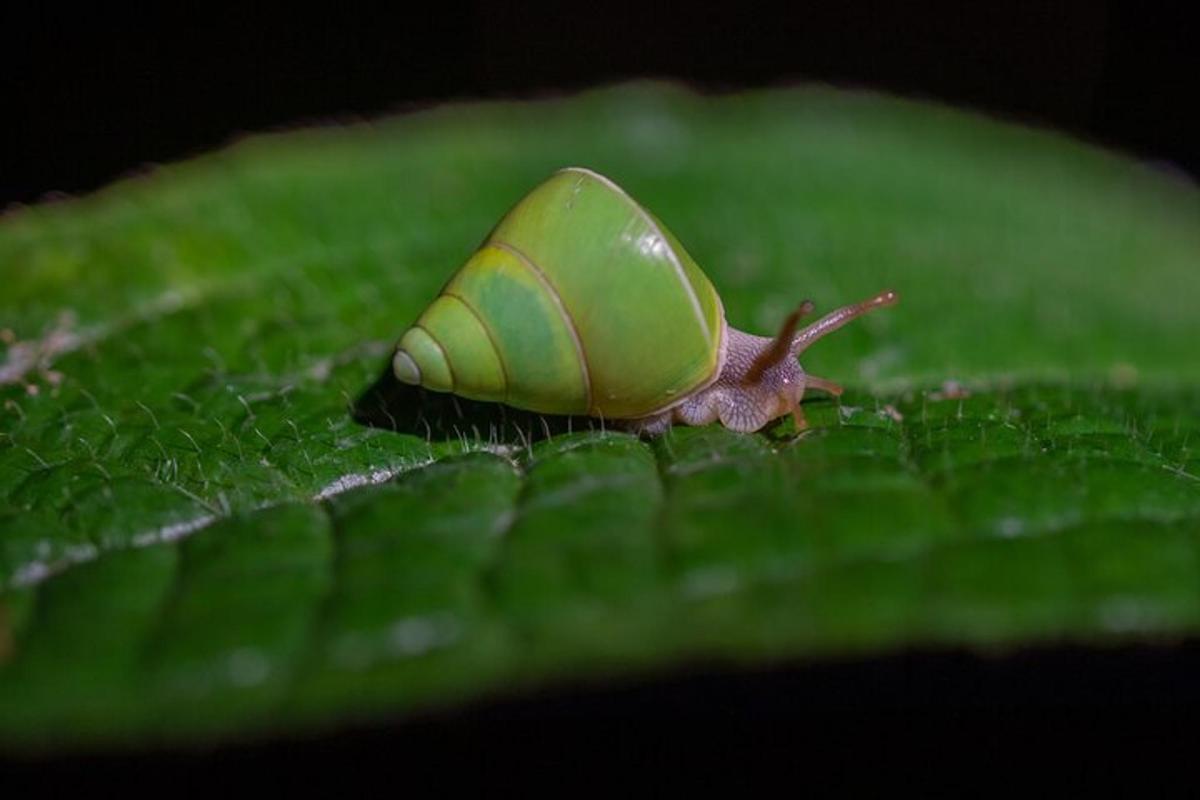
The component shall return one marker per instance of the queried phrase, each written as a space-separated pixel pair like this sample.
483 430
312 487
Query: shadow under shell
393 405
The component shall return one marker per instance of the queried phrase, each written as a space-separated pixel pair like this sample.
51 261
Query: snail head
775 371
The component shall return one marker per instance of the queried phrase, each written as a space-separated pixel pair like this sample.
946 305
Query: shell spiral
579 302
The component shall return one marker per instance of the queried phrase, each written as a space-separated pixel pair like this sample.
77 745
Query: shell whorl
579 302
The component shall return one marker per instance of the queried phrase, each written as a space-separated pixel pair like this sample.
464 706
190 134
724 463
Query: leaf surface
212 524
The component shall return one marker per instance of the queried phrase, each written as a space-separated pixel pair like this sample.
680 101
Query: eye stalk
781 345
836 319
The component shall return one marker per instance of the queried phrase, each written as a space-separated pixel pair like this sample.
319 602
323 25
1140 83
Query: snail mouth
406 368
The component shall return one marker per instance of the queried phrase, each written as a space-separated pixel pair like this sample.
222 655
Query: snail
580 301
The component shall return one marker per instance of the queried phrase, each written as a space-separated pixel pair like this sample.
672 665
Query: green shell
578 302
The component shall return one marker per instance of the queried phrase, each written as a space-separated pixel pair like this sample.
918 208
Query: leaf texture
217 519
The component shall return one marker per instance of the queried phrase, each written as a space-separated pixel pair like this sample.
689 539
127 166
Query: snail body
581 302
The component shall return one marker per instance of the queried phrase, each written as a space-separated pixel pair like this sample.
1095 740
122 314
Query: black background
89 98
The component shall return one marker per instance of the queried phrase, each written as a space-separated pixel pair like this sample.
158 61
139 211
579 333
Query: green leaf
216 518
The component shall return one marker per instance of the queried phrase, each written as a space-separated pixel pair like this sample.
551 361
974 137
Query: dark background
89 97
